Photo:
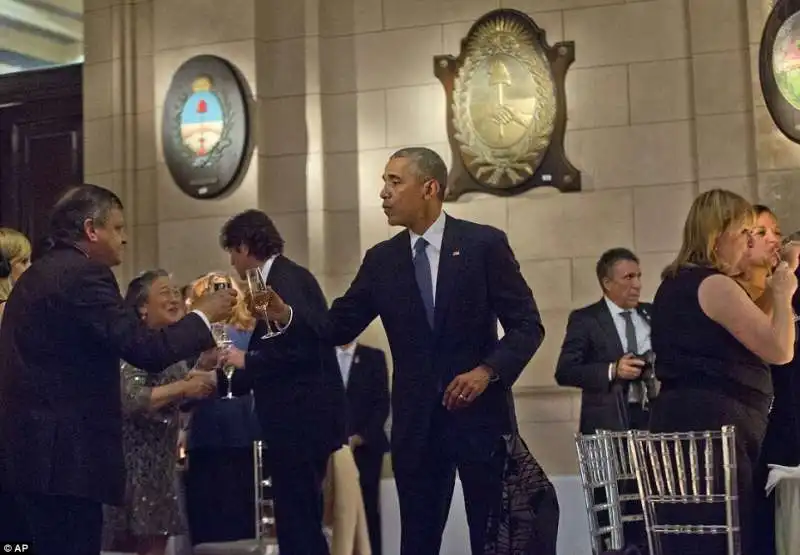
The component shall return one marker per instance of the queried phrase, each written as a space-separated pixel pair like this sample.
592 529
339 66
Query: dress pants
369 465
426 490
297 493
62 525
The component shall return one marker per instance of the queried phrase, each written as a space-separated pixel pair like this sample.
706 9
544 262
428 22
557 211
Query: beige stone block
353 121
587 224
755 79
721 82
757 14
145 140
144 240
144 86
313 122
544 405
773 150
350 17
111 180
98 37
371 164
293 228
98 146
652 154
281 126
341 181
481 208
312 65
648 31
146 184
597 97
174 204
342 242
529 6
279 66
338 64
660 91
97 90
240 53
418 13
334 286
282 183
724 146
540 370
659 213
413 67
190 248
744 186
373 228
652 264
416 115
317 247
175 26
585 288
717 25
780 191
553 444
277 20
94 5
550 281
143 27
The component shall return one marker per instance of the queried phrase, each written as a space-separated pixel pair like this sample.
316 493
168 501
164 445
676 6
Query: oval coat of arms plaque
506 108
205 127
779 67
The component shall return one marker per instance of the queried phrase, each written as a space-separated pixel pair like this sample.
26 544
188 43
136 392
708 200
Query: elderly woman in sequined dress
152 511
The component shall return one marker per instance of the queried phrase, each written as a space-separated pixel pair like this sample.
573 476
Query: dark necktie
636 389
422 271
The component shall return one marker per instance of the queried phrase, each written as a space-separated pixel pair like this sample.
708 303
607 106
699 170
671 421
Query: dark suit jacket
590 344
368 398
478 282
63 335
295 377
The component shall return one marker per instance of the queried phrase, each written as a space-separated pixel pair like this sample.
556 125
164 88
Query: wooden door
41 145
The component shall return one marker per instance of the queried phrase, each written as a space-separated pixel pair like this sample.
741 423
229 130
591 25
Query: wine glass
224 343
261 295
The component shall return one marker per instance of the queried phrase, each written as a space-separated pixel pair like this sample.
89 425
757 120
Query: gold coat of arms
506 108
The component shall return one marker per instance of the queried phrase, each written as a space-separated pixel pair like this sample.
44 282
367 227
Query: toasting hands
217 306
268 305
467 387
199 384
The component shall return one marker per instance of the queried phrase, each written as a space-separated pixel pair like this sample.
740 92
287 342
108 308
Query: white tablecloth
787 516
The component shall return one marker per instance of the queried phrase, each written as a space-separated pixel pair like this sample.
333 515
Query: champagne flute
261 295
224 343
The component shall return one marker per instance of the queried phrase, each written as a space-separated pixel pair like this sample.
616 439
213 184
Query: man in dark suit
366 381
600 349
439 288
64 333
298 390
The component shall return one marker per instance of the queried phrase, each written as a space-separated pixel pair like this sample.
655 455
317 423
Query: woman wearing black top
712 345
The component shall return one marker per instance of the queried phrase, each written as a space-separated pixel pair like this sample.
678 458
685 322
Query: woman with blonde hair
219 440
15 258
713 345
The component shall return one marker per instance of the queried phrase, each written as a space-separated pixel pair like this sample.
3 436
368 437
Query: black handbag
526 521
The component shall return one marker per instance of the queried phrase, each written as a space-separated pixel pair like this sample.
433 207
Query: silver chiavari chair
606 464
692 468
265 542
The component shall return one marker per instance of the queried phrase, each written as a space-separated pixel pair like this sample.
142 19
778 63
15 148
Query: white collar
350 351
433 235
267 267
615 308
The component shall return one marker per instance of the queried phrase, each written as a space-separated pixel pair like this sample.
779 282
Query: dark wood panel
41 145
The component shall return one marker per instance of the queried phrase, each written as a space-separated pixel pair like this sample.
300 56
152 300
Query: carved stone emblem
506 108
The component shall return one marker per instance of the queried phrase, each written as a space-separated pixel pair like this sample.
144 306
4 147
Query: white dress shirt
265 269
640 327
345 357
433 235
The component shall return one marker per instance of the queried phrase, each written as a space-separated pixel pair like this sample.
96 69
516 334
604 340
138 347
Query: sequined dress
152 505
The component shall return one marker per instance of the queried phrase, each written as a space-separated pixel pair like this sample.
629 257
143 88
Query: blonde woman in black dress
152 511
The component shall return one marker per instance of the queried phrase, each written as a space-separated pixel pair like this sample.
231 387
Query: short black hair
427 164
77 205
254 230
139 288
611 257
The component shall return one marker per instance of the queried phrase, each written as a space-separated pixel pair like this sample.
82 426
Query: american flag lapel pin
356 359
